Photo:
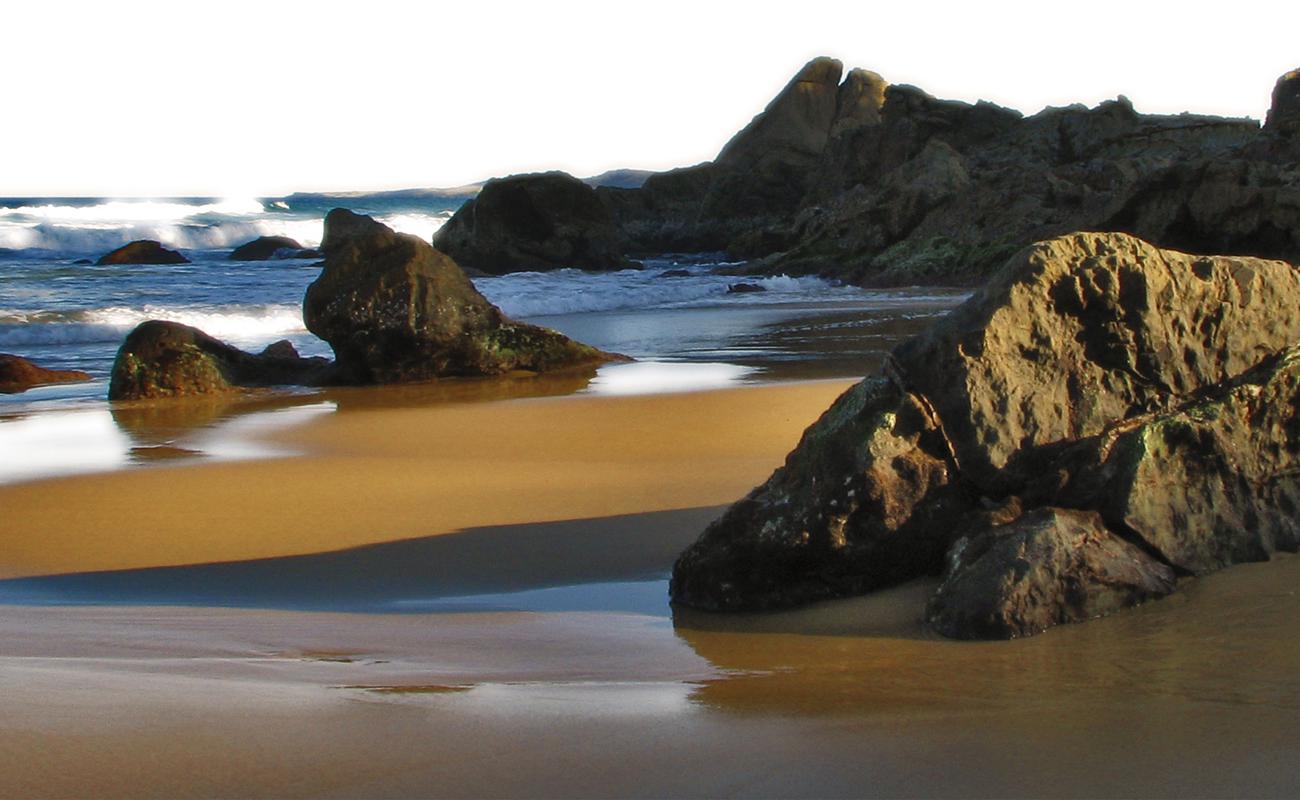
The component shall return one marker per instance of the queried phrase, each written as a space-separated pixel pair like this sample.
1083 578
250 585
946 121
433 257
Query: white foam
256 323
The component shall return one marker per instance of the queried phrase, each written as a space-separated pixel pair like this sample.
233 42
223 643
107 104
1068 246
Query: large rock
143 251
534 222
17 374
1094 373
396 309
1284 113
1048 567
167 359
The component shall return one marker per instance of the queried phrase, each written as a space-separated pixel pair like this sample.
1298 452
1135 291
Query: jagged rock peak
798 119
1284 113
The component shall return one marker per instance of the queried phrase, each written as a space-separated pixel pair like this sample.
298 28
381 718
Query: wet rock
396 309
167 359
143 251
674 273
1095 373
534 222
1049 567
18 374
264 248
745 288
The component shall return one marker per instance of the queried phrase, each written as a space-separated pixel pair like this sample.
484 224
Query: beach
468 598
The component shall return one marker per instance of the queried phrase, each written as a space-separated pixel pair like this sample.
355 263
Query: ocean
62 311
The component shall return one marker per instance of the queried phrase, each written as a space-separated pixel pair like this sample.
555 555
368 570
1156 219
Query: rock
264 248
1049 567
281 349
396 309
1095 373
1284 113
745 288
534 222
167 359
83 262
144 251
674 273
17 374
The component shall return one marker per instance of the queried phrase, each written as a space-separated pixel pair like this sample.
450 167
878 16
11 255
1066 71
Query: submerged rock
143 251
534 222
167 359
264 248
396 309
18 374
1094 373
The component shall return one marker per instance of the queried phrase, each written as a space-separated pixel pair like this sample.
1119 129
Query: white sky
261 98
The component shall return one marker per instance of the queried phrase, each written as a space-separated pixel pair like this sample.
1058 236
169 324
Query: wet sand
1197 695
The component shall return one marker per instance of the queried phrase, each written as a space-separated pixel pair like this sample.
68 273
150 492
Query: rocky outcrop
396 309
880 184
167 359
17 374
265 248
143 251
534 222
1103 415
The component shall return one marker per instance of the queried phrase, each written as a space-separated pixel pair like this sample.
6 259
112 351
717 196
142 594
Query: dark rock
264 248
1094 373
745 288
674 273
281 349
144 251
168 359
17 374
1049 567
396 309
534 222
1284 114
83 262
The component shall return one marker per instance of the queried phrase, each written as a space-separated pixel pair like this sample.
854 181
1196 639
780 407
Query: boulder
396 309
1096 373
534 222
264 248
1048 567
167 359
745 288
1284 113
17 374
143 251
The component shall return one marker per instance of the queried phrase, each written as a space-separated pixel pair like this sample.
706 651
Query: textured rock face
264 248
143 251
1156 391
395 309
17 374
534 222
167 359
1284 113
1049 567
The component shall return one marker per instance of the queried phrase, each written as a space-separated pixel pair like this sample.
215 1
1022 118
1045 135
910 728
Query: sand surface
1197 695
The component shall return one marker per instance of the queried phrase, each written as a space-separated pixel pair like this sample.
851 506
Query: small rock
745 288
18 374
264 248
143 251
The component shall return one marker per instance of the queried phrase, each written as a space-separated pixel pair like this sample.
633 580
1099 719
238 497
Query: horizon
247 125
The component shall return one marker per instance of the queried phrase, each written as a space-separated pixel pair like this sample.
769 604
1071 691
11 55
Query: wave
242 323
534 294
90 230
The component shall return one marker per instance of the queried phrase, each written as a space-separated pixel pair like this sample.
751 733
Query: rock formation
17 374
264 248
168 359
1102 416
396 309
883 184
143 251
534 222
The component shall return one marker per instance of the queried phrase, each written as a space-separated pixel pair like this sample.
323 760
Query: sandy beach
529 695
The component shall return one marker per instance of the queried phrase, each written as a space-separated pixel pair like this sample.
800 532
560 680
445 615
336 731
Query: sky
234 99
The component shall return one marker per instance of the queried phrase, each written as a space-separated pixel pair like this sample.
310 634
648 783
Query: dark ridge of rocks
396 309
143 251
879 184
167 359
1157 391
534 222
18 374
265 248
